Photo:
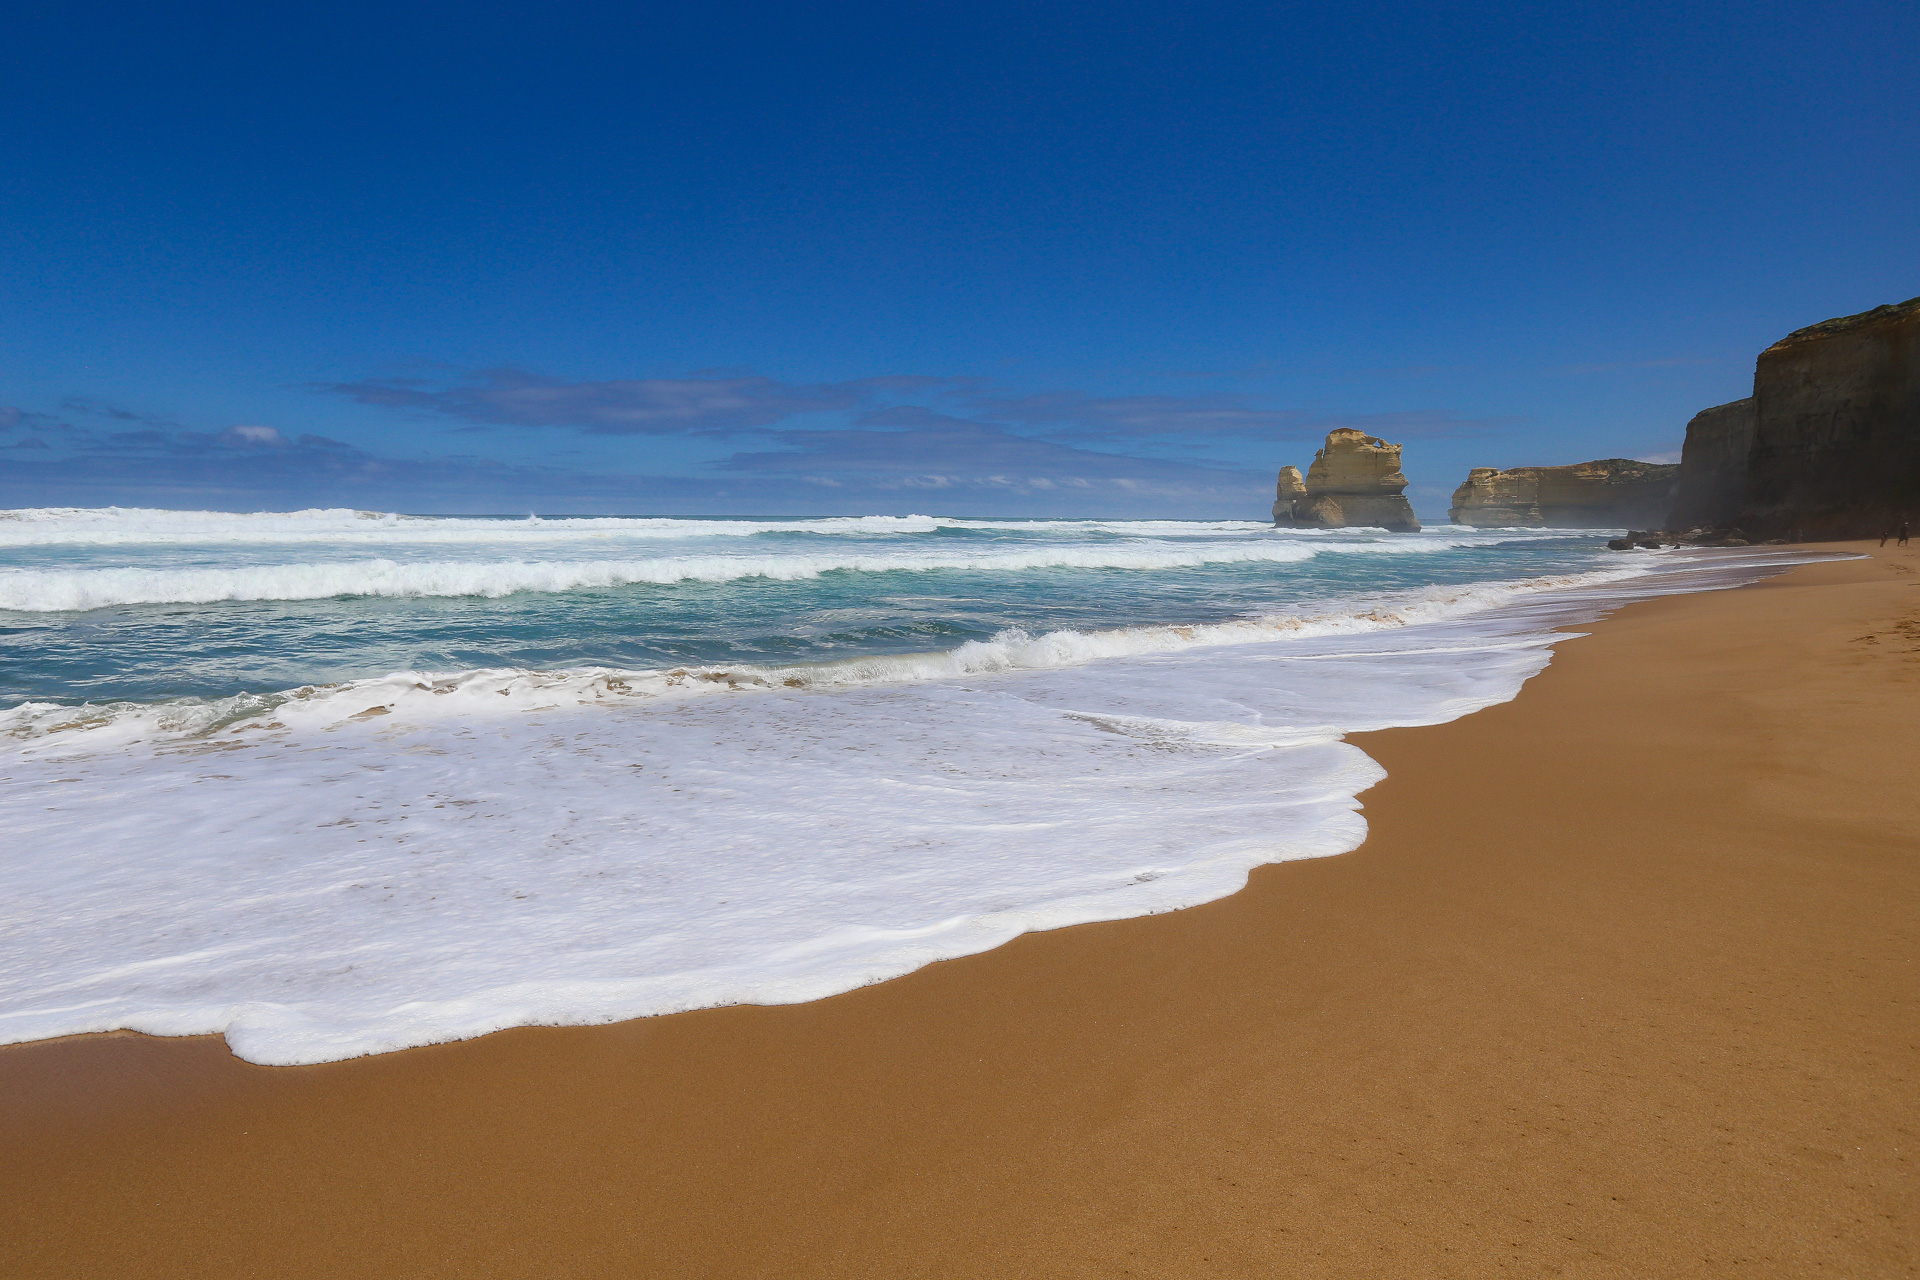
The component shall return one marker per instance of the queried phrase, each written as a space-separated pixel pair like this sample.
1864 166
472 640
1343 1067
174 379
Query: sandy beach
1623 983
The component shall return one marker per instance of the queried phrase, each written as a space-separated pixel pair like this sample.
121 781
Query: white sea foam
364 867
419 696
116 526
137 525
65 590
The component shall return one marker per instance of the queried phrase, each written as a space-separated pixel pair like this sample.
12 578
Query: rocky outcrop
1355 481
1655 539
1713 466
1289 493
1602 494
1828 446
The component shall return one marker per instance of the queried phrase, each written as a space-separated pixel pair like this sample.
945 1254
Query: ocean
339 782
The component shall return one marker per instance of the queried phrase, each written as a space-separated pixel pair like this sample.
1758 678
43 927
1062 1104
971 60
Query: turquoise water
176 641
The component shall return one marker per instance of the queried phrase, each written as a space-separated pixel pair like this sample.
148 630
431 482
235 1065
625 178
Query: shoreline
302 923
1660 1026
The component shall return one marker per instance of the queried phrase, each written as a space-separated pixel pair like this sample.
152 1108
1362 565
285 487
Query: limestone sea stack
1602 494
1354 481
1289 494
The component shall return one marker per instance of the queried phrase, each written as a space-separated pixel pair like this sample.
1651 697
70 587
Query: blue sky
970 258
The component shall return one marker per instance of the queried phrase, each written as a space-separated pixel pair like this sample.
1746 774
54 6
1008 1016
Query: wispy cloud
117 413
1087 417
619 407
898 460
721 402
248 466
1622 366
909 447
1413 425
1203 418
15 419
876 444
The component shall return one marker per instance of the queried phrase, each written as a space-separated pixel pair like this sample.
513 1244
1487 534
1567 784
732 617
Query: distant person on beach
1885 533
1903 533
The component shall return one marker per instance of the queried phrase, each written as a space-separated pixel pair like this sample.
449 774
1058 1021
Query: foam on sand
364 867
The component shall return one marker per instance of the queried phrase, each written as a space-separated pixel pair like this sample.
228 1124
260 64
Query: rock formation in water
1829 444
1354 481
1587 495
1289 498
1713 466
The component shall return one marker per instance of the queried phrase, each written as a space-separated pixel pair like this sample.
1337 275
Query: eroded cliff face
1713 466
1354 481
1836 437
1601 494
1494 499
1289 491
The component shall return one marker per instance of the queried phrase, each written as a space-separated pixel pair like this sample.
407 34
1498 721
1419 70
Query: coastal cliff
1713 466
1495 499
1586 495
1355 480
1836 439
1828 446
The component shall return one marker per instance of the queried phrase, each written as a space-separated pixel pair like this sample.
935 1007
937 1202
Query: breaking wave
417 696
73 590
114 526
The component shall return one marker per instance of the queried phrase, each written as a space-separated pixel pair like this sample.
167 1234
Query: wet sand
1626 982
